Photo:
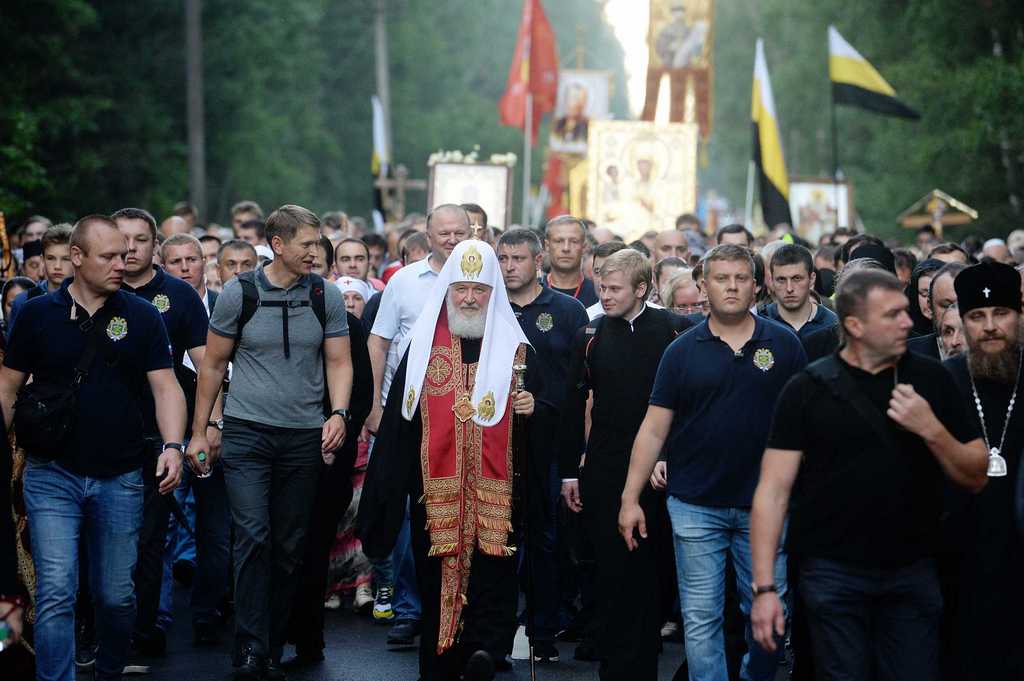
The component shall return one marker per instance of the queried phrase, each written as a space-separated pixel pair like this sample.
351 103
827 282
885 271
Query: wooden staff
519 435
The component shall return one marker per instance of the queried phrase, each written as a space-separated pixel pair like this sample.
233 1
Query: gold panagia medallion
463 408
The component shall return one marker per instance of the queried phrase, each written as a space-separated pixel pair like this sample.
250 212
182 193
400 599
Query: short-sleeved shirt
855 500
266 386
550 322
400 306
186 321
109 434
723 403
823 318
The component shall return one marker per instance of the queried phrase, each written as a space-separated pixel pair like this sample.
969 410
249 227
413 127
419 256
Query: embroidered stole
467 475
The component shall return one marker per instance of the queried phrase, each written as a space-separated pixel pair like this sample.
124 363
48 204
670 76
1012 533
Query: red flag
556 189
534 70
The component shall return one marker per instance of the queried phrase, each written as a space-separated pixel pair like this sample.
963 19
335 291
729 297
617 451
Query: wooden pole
194 97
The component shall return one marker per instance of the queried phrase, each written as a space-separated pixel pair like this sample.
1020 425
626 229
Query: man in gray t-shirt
275 428
266 386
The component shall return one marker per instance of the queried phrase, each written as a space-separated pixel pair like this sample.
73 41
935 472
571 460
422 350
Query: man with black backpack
94 353
616 356
286 334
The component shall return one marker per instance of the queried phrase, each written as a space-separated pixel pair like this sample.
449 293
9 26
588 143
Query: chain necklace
996 462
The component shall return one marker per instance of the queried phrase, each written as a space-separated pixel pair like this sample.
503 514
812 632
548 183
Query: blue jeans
703 536
107 512
211 520
406 603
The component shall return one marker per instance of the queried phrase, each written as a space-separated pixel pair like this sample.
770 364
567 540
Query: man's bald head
174 225
671 243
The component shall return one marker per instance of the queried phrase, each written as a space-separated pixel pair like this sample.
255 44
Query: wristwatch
218 424
174 445
763 589
343 413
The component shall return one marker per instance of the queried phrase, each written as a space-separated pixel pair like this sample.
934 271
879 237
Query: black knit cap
988 284
31 249
882 255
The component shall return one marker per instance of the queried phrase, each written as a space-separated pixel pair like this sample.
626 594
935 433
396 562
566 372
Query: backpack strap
316 298
251 302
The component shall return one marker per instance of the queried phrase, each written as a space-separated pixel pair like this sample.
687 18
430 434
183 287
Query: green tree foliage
93 116
942 58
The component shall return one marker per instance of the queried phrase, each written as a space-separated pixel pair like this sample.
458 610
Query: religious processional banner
680 39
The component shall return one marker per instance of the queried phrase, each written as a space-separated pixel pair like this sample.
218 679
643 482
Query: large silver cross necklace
996 462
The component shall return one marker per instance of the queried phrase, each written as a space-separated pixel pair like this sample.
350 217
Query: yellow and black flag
771 166
855 82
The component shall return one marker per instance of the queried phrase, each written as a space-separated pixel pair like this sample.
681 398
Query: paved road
356 651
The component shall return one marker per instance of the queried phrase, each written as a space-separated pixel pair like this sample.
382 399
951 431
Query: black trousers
871 623
487 617
271 475
149 571
627 615
333 495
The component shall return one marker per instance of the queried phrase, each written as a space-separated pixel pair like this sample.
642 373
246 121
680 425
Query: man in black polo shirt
95 491
871 431
711 407
550 320
186 321
986 549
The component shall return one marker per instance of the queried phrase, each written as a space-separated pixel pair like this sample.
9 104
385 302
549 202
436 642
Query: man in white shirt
403 298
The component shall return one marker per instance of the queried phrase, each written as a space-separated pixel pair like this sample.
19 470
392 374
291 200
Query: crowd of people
795 458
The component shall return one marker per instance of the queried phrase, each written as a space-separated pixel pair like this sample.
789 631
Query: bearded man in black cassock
985 554
449 443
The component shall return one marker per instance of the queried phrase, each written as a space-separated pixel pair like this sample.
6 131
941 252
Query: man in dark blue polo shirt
550 320
711 409
94 491
793 276
186 321
185 318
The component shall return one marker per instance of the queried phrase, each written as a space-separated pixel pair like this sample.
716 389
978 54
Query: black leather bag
45 411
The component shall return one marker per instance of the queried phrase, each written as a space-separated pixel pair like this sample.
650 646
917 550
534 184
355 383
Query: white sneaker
364 599
333 603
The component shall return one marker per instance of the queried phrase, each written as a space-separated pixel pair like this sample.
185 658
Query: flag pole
527 161
835 156
748 214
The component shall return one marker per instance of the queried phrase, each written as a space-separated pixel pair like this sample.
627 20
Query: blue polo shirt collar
265 282
544 298
703 331
154 284
62 297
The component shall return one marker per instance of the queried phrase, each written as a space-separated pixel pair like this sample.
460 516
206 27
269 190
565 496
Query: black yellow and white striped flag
771 166
855 81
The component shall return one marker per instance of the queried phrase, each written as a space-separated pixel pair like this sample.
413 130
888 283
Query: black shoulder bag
46 411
